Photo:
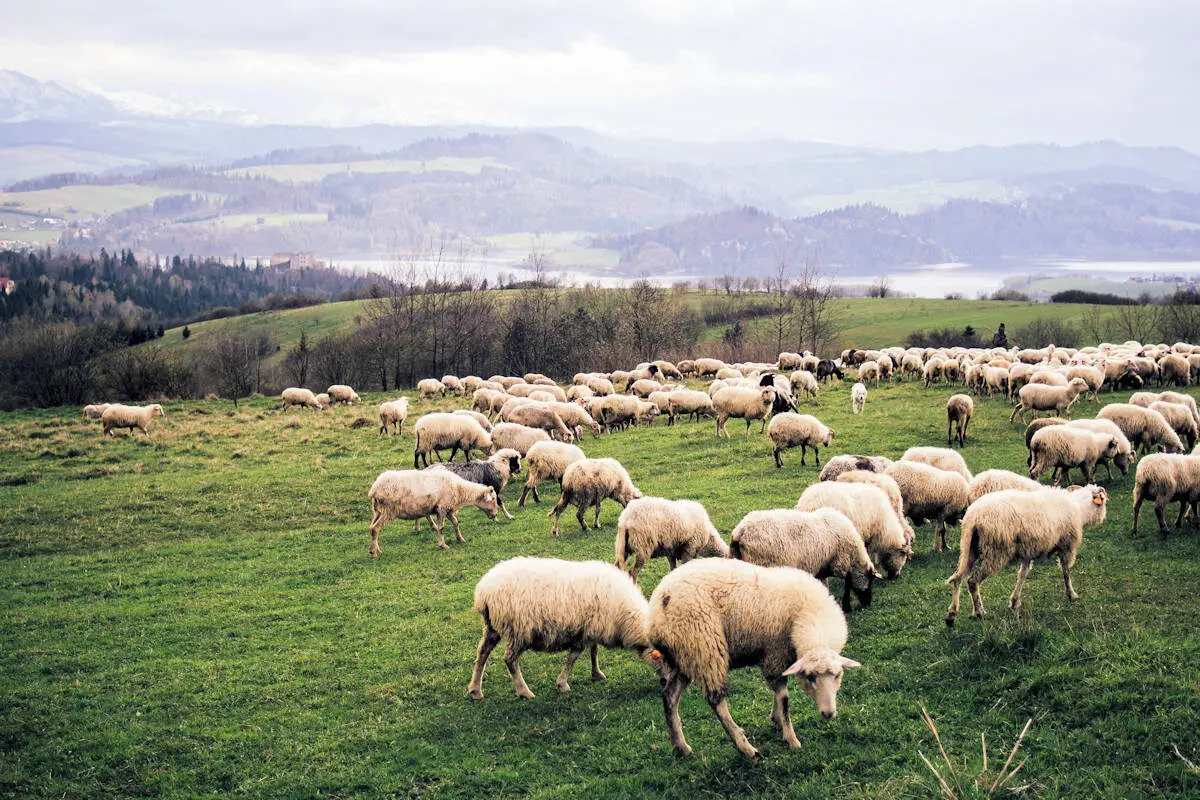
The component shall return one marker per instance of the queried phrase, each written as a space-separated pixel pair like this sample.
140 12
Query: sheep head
819 674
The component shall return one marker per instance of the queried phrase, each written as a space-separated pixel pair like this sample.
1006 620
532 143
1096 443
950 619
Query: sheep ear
1074 487
849 663
796 668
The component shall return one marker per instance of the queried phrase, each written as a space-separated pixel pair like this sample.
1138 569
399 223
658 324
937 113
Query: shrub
1091 298
1042 332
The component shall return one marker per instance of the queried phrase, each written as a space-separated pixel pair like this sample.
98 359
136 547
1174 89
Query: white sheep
940 457
1144 399
323 399
588 483
959 409
805 383
122 416
439 431
393 413
453 385
891 490
95 410
429 388
743 402
1092 376
545 460
868 373
295 396
931 494
494 471
858 398
1061 448
1145 428
575 417
341 393
1011 527
789 430
434 494
999 480
714 614
1125 455
846 462
549 605
482 419
1037 397
536 415
518 437
654 527
1167 478
1179 417
689 402
601 386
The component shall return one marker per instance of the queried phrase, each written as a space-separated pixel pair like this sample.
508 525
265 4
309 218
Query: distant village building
303 260
279 259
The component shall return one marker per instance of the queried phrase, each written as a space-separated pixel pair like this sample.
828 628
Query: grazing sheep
644 387
995 379
1167 478
1145 428
536 415
482 419
959 409
799 430
931 494
1062 448
96 410
548 605
878 520
845 463
933 371
999 480
434 494
1010 527
453 385
686 367
541 397
617 411
1092 376
577 392
805 383
588 483
823 542
1144 399
1039 397
886 367
601 386
653 527
484 400
1125 455
728 373
293 396
714 614
530 389
494 471
575 416
341 393
868 373
1179 417
439 431
1032 428
470 384
517 437
1174 370
121 416
940 457
690 402
1048 377
745 403
324 400
706 367
669 370
858 398
547 460
393 413
827 370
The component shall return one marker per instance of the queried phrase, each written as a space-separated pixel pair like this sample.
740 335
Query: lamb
393 413
1063 448
959 409
493 471
931 494
1008 527
799 430
1039 397
547 460
323 399
823 542
680 530
536 415
575 416
1179 417
1143 427
438 431
805 383
121 416
434 494
845 463
1167 478
588 483
549 605
341 393
517 437
858 398
482 419
870 508
690 402
869 373
745 403
291 397
999 480
713 614
95 410
940 457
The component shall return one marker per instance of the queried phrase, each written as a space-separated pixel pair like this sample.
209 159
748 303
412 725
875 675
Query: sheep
1124 455
482 419
1018 377
714 614
341 393
549 605
708 366
293 396
868 373
1179 417
1145 428
529 389
95 411
827 370
651 527
1063 448
805 383
798 430
1167 478
878 518
323 399
644 387
535 415
577 392
1174 369
998 480
669 370
1039 397
575 416
858 398
541 397
517 437
844 463
931 494
940 457
823 542
534 377
1008 527
886 367
439 431
547 460
959 409
434 494
453 385
1144 399
996 379
743 402
1048 377
617 411
689 402
121 416
507 381
933 371
470 384
393 413
1033 427
601 386
1092 376
494 471
911 364
587 483
727 373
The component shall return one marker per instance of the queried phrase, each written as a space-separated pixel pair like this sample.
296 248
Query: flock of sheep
760 599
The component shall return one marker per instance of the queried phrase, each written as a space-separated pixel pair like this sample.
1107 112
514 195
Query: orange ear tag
655 655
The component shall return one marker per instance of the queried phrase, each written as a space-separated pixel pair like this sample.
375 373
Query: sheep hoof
683 751
443 546
750 753
525 694
599 676
563 687
1073 596
476 694
950 619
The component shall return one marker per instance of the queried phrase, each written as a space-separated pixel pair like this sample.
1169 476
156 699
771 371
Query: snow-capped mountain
23 98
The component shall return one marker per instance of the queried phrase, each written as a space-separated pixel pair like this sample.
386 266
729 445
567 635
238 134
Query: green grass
311 173
83 201
194 614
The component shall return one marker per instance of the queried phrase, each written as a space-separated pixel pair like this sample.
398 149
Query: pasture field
193 614
312 173
83 201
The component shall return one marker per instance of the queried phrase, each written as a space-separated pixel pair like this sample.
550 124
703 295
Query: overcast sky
908 74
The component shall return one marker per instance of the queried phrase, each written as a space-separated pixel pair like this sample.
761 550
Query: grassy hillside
85 201
194 614
312 173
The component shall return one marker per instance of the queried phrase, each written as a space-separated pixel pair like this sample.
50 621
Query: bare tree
784 302
818 319
234 364
297 361
881 287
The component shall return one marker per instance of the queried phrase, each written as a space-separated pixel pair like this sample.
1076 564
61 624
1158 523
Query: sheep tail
620 548
968 550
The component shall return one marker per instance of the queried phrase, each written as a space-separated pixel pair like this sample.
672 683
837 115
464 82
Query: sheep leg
949 440
1137 511
803 452
672 561
512 661
487 644
438 529
1065 561
597 675
457 531
500 502
672 689
596 519
561 684
1108 469
778 460
939 536
977 609
1160 508
817 455
761 430
524 492
1182 511
720 707
846 594
748 421
1014 601
781 714
579 516
952 613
